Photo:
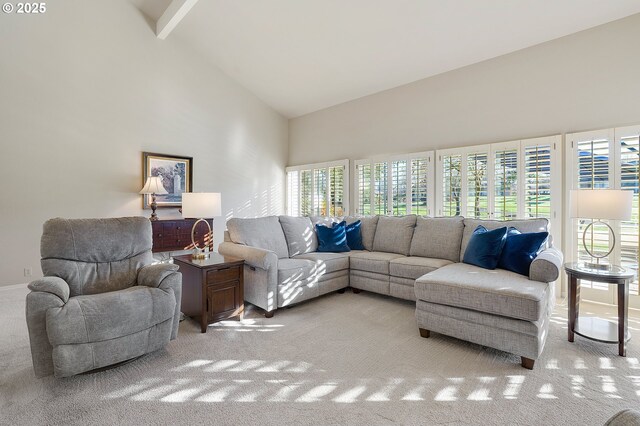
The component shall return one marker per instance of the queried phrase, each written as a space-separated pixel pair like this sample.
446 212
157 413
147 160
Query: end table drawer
221 275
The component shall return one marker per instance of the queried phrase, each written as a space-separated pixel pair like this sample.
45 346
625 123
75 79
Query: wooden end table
212 289
594 328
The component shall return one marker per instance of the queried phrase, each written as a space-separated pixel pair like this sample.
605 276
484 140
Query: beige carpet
340 359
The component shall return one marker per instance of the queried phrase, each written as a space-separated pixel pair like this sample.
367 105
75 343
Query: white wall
84 89
583 81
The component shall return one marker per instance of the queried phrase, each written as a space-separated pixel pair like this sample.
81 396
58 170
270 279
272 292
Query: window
363 173
451 185
420 185
380 188
501 181
318 189
606 158
537 181
477 186
395 186
505 205
320 192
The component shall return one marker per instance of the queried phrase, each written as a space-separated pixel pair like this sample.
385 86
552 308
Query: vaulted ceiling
300 56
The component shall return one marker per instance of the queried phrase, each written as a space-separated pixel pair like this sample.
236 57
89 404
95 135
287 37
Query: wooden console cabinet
212 289
175 234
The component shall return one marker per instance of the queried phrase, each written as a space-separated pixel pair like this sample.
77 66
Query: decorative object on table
594 328
599 205
153 186
176 174
212 289
198 205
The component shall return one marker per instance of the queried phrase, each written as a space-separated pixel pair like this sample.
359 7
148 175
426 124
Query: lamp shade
201 204
153 185
612 204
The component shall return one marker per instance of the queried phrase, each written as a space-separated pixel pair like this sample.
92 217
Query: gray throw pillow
438 237
300 235
393 234
262 232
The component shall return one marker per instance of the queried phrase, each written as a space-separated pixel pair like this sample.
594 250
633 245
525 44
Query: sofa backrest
96 255
394 234
522 225
300 234
262 232
437 237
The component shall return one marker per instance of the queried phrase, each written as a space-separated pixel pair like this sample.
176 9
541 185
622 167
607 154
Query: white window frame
554 142
572 242
429 155
318 166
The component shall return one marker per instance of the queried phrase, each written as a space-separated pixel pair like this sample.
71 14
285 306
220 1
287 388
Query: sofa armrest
54 285
253 256
153 275
547 266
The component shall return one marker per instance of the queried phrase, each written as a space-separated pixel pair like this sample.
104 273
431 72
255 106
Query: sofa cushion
262 232
523 225
367 229
299 234
295 272
393 234
354 235
105 316
484 247
415 267
520 249
327 262
372 261
496 291
332 239
438 237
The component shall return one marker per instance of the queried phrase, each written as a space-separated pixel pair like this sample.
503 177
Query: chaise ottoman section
495 308
497 291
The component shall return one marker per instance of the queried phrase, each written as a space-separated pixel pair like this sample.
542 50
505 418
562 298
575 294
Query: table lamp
599 204
199 205
153 186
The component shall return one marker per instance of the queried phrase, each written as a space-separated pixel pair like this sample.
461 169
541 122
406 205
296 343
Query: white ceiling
300 56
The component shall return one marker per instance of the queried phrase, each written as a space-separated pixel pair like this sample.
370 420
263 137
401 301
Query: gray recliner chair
101 301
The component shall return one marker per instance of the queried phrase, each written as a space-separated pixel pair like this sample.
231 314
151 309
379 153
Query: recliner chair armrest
53 285
253 256
166 277
546 266
153 275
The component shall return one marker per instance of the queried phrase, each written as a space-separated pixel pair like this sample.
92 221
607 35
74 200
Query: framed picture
176 172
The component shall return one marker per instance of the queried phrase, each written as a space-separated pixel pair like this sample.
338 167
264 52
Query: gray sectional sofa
409 257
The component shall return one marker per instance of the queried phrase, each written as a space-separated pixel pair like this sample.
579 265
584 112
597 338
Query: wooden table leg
574 305
623 317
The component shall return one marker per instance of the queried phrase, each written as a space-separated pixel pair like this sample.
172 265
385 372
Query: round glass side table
595 328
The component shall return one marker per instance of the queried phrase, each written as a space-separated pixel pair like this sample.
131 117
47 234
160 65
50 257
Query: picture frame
177 177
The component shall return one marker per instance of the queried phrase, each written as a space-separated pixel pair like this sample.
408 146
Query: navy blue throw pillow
484 247
354 236
332 239
520 250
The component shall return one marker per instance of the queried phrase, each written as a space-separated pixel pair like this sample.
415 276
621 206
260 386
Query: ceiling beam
171 17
